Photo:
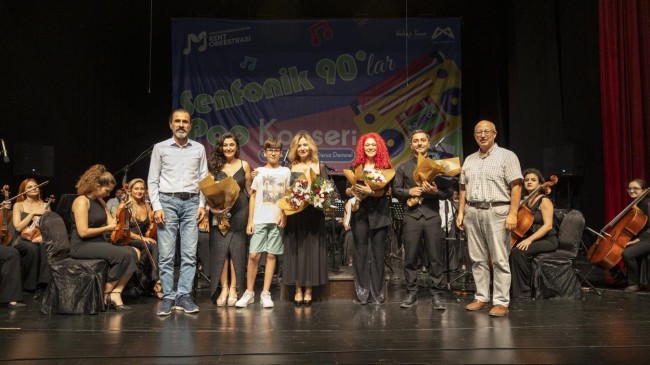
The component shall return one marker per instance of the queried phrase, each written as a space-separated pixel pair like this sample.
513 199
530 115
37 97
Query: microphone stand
126 168
457 238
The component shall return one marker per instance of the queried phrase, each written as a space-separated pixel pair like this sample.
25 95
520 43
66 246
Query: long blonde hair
133 182
293 148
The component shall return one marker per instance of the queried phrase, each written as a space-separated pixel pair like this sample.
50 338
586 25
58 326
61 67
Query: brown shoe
498 311
476 305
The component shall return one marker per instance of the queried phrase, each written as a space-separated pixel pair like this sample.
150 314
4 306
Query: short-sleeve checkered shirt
488 179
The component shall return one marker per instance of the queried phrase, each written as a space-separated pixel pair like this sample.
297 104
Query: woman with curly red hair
371 221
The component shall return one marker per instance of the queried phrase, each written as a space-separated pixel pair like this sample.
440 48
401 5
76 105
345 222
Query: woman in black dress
370 222
639 246
29 208
304 262
540 238
142 218
228 253
11 291
91 220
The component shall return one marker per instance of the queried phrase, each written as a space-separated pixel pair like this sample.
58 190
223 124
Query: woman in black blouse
639 246
540 238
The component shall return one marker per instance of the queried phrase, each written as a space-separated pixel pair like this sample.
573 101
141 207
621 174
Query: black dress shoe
410 300
297 303
306 303
16 305
360 302
436 300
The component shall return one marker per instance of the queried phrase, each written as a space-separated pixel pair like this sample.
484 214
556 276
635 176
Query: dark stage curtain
624 27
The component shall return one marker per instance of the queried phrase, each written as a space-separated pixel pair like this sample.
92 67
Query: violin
525 216
152 230
121 234
607 251
5 217
33 230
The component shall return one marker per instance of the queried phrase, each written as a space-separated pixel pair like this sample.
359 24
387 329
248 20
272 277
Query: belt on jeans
181 196
486 205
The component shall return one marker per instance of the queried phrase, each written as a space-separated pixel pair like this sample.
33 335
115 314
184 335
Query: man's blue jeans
180 215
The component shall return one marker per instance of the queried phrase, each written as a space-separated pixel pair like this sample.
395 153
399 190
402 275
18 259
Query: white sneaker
246 299
265 298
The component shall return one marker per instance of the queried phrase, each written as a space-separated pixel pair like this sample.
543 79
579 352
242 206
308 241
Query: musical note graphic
193 38
315 37
250 62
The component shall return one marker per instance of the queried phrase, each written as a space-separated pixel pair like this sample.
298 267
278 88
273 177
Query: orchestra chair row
77 286
554 274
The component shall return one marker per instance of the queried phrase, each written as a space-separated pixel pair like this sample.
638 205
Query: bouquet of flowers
428 169
297 197
221 192
321 193
376 180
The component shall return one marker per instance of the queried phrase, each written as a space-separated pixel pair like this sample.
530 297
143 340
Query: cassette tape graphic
426 98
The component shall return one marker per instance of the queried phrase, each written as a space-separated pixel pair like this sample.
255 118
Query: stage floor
612 328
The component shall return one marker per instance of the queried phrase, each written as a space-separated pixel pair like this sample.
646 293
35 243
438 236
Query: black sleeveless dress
234 242
121 259
145 277
521 262
305 246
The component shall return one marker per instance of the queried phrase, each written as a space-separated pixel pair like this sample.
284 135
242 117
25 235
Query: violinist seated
143 231
540 238
27 211
639 246
91 220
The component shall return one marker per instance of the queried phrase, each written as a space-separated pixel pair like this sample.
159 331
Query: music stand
396 248
64 208
461 242
338 209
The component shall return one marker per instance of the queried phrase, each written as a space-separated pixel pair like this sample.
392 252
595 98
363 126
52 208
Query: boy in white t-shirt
265 221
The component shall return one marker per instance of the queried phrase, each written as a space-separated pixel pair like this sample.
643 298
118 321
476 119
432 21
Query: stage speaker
33 160
562 160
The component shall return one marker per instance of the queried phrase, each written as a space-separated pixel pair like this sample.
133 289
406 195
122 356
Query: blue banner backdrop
335 79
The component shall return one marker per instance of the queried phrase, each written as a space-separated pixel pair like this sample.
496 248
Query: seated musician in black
146 275
11 290
540 238
639 246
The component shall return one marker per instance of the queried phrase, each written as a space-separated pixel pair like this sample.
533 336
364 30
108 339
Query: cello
5 217
525 216
612 239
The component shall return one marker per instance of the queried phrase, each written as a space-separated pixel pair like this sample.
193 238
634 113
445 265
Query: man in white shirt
177 166
114 202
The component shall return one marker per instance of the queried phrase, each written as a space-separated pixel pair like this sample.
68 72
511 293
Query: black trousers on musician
369 251
521 265
423 234
10 277
631 256
35 268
